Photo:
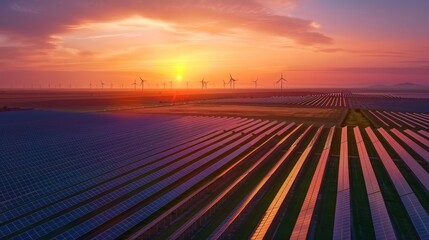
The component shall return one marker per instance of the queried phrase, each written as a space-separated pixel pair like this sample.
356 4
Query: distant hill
407 85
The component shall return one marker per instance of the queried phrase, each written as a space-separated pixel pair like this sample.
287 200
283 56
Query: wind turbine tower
232 81
142 81
202 83
281 80
256 82
135 84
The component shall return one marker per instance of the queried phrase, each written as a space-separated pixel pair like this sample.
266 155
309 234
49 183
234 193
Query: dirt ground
308 115
182 102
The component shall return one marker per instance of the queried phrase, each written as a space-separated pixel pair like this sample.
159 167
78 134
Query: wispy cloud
20 19
368 53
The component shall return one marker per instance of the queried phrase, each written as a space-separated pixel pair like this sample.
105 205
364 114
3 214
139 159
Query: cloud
368 53
423 70
36 21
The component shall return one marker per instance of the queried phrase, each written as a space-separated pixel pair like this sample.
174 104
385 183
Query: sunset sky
330 43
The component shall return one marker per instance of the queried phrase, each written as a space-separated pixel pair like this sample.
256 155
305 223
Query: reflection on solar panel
319 100
274 207
421 174
238 210
411 118
419 138
71 175
380 218
401 119
342 223
415 210
424 133
302 224
419 150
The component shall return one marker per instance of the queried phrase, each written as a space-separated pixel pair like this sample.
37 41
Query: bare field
304 114
93 100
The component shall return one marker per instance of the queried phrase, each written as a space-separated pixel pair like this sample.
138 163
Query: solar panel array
267 221
342 222
81 175
302 224
380 218
401 119
415 210
328 100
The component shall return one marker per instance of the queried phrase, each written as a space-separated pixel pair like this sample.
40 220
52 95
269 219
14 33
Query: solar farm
338 164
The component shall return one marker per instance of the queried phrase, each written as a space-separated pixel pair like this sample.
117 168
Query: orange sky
314 44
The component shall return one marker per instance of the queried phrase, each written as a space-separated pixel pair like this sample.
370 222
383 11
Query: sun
179 69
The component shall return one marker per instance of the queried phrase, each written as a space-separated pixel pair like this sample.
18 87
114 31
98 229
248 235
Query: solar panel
220 230
342 222
150 208
415 210
17 182
45 204
412 164
424 133
110 166
383 227
419 138
274 207
416 148
379 118
414 119
302 225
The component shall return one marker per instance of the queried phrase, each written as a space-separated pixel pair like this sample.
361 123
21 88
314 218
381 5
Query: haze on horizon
315 43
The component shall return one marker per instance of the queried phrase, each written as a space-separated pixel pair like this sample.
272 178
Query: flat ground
167 101
310 115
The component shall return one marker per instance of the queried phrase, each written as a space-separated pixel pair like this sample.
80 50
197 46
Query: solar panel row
382 224
117 230
225 149
416 148
157 220
134 178
125 191
68 173
401 119
319 100
266 222
342 222
232 217
418 137
421 174
415 210
302 224
115 167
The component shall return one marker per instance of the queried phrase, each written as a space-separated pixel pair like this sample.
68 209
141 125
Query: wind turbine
171 84
90 84
232 81
102 84
135 84
164 84
224 84
256 82
142 82
202 83
281 80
